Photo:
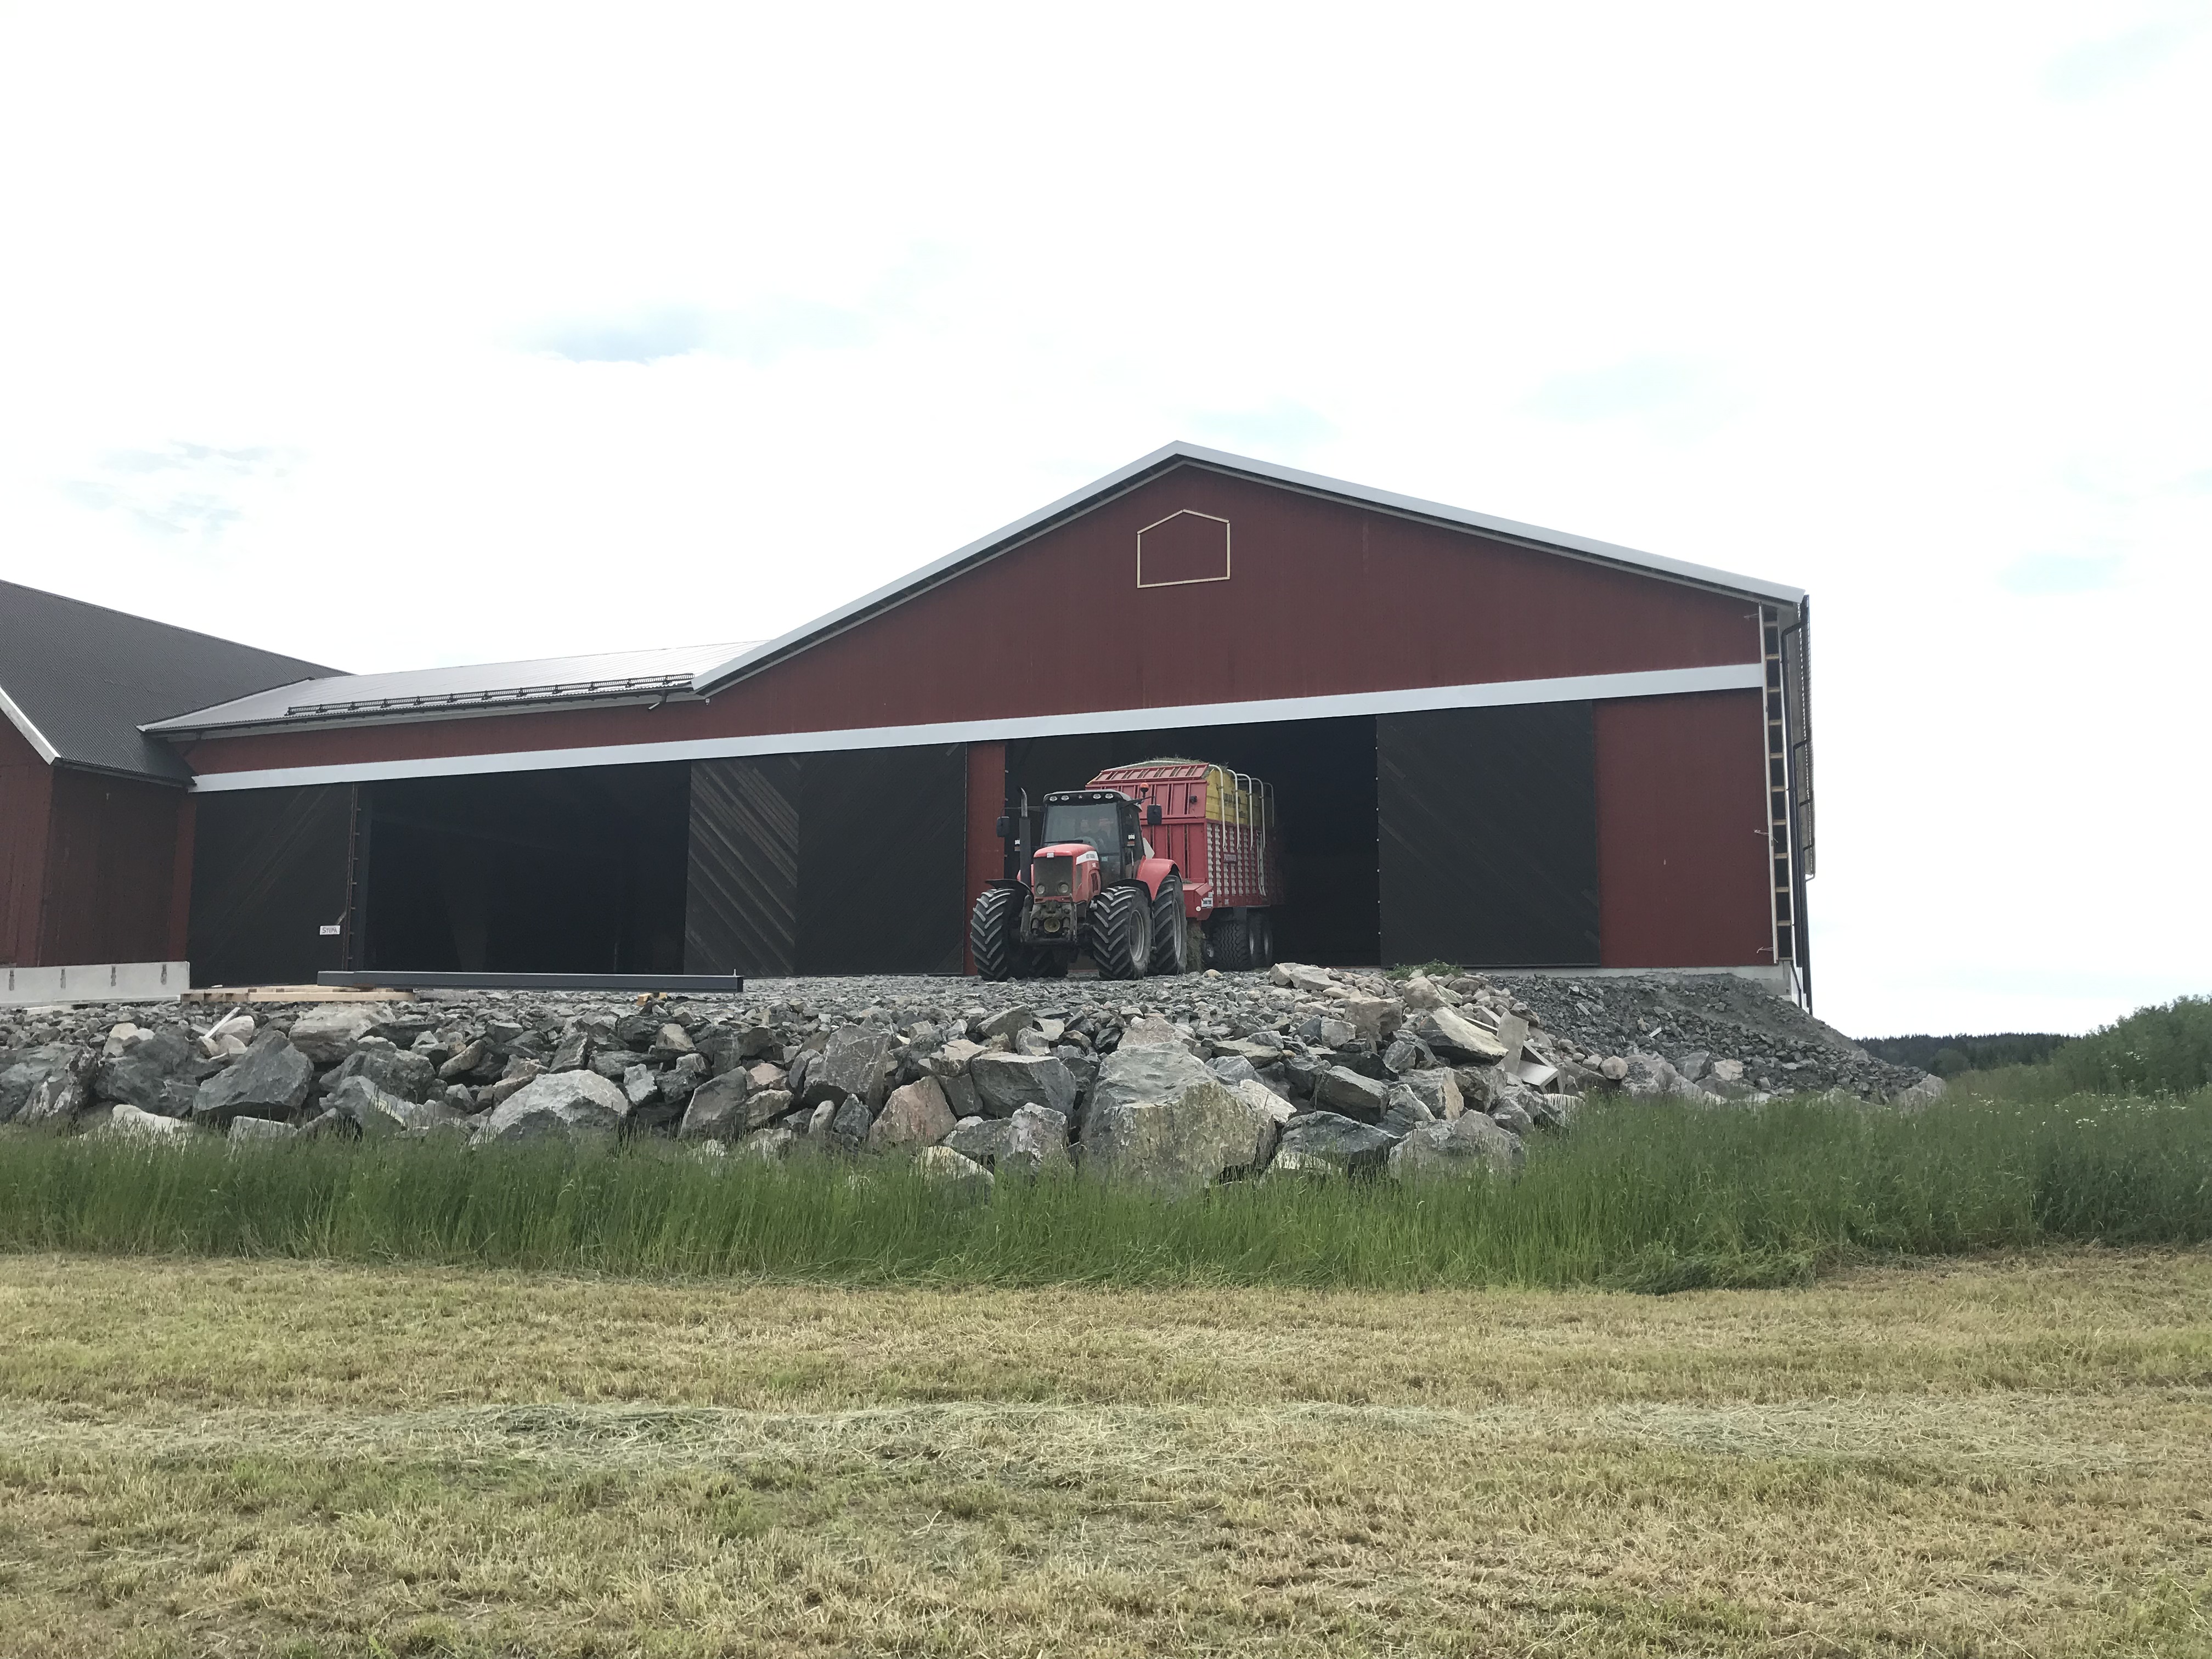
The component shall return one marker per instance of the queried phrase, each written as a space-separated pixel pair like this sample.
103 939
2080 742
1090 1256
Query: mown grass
352 1461
1655 1196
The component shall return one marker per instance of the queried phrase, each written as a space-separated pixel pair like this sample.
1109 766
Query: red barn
1489 743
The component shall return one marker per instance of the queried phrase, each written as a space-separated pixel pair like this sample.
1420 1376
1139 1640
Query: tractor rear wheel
1121 932
1169 941
1232 940
1260 928
994 933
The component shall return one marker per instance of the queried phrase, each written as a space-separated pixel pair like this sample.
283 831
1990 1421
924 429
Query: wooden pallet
236 994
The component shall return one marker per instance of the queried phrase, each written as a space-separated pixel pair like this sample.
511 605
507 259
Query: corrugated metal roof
1091 494
79 680
351 698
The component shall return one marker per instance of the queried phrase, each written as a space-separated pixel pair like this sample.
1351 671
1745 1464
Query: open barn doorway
1323 775
577 870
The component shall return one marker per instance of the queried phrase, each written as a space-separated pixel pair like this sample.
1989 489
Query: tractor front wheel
1170 939
1121 932
994 933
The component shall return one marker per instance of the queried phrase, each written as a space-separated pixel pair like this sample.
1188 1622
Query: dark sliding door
1488 833
269 874
852 862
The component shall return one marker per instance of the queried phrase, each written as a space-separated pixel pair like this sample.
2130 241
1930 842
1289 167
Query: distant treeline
1947 1056
2162 1050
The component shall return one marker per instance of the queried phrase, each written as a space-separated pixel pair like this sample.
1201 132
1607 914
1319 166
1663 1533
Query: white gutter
1495 694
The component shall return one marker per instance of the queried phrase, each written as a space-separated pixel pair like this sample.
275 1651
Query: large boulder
269 1079
1423 992
728 1108
521 1071
558 1104
1151 1032
1511 1115
396 1071
914 1117
127 1122
46 1085
376 1113
1179 1145
1927 1090
155 1074
1470 1145
1407 1111
1160 1071
249 1130
961 1178
1261 1097
327 1032
1261 1050
1332 1141
1341 1089
1376 1018
1007 1023
855 1063
1407 1054
1005 1082
848 1124
1451 1036
1037 1140
982 1139
952 1058
1439 1090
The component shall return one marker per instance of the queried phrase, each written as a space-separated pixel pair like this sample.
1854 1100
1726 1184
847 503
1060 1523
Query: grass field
1993 1456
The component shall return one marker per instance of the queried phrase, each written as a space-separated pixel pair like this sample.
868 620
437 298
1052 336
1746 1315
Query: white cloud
558 333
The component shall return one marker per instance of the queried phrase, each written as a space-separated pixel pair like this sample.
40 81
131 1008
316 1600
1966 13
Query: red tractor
1148 870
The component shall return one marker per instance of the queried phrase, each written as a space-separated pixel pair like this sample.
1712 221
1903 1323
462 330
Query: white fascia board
23 723
915 580
1496 694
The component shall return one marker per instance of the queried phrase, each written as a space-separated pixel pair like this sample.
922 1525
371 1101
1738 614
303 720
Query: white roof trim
929 575
1494 694
23 723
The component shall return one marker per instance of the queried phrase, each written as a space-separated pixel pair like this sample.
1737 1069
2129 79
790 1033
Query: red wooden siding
987 801
1681 832
110 862
181 883
1326 597
26 807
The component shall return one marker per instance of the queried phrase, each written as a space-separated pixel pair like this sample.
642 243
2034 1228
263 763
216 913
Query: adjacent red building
1490 744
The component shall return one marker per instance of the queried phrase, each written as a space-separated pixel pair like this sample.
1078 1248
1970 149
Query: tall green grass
2166 1049
1650 1195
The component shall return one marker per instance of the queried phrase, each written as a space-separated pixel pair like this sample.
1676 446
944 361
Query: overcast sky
391 337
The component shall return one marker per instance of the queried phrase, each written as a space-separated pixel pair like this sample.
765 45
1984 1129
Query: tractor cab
1105 820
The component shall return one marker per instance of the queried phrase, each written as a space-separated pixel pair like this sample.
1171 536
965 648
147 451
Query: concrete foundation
107 982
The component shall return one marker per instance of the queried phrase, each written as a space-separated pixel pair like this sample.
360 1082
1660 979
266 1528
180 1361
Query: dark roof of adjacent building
1096 493
78 680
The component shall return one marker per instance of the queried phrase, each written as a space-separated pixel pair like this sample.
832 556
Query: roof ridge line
710 680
